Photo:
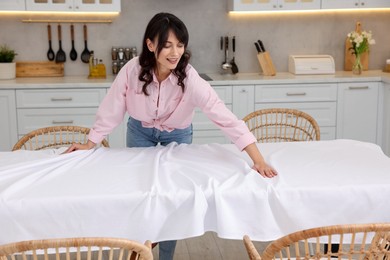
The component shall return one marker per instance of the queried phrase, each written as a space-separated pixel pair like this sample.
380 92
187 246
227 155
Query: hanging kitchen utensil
86 53
50 52
60 56
233 63
226 64
222 43
73 52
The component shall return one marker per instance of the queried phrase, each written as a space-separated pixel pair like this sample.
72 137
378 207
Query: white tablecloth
182 191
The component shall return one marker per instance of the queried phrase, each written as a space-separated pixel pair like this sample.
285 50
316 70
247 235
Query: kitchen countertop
217 79
289 78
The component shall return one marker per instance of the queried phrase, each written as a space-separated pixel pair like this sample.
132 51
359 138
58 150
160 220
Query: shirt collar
172 78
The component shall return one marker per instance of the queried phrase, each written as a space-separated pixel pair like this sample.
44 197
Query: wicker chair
77 249
282 125
359 241
54 137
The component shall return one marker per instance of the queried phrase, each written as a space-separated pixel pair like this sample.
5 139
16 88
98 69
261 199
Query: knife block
266 64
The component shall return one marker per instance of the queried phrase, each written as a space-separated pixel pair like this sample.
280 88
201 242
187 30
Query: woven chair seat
77 249
54 137
282 125
354 241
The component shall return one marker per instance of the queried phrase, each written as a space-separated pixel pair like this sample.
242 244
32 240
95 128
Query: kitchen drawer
323 112
202 122
38 98
224 93
327 133
295 93
31 119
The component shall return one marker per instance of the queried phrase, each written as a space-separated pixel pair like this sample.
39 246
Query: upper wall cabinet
337 4
273 5
12 5
74 5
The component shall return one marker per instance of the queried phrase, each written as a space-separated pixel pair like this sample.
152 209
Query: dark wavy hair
159 26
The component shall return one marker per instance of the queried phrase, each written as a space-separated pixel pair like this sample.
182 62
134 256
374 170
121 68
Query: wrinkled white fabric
180 191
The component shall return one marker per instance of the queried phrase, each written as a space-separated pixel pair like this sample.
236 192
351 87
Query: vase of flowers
360 44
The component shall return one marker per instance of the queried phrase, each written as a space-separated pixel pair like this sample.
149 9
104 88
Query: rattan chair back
54 137
282 125
77 249
358 241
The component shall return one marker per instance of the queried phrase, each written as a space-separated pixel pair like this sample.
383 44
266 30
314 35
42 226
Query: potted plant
7 64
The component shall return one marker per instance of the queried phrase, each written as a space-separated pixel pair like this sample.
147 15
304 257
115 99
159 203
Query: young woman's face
170 54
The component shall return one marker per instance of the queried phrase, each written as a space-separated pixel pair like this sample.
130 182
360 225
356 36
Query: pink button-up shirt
166 107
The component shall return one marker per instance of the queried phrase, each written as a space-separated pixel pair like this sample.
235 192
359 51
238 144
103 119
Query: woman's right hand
77 146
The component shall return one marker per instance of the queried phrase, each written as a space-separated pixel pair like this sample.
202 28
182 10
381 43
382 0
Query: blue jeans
139 136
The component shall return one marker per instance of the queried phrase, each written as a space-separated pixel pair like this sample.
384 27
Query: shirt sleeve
215 109
112 109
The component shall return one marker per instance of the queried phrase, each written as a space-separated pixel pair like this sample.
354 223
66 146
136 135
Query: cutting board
39 69
349 59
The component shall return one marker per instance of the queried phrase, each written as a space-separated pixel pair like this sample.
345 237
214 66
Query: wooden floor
211 247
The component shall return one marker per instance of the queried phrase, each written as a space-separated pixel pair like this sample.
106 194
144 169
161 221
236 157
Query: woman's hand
78 146
259 164
265 170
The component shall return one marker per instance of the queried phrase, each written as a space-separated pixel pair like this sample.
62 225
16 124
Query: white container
7 70
311 64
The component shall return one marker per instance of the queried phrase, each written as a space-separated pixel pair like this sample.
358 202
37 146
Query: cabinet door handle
54 122
296 93
358 87
62 99
243 91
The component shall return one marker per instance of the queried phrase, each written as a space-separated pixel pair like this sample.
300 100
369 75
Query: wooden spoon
60 56
86 53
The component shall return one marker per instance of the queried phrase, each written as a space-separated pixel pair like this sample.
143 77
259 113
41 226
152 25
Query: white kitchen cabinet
273 5
74 5
32 119
346 4
243 100
8 125
386 120
357 111
318 100
205 131
12 5
38 108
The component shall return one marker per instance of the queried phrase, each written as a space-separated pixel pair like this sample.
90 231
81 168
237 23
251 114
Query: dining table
182 191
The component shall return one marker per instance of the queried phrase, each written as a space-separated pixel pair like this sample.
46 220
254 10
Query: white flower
360 42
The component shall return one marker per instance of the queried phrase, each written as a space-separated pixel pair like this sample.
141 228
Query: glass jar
127 54
121 54
133 52
114 53
115 67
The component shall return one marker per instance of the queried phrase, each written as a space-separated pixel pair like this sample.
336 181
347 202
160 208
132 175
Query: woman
160 90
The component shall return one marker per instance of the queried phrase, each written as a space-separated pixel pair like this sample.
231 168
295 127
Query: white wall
283 34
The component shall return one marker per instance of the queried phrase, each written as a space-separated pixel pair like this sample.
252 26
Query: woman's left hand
265 170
